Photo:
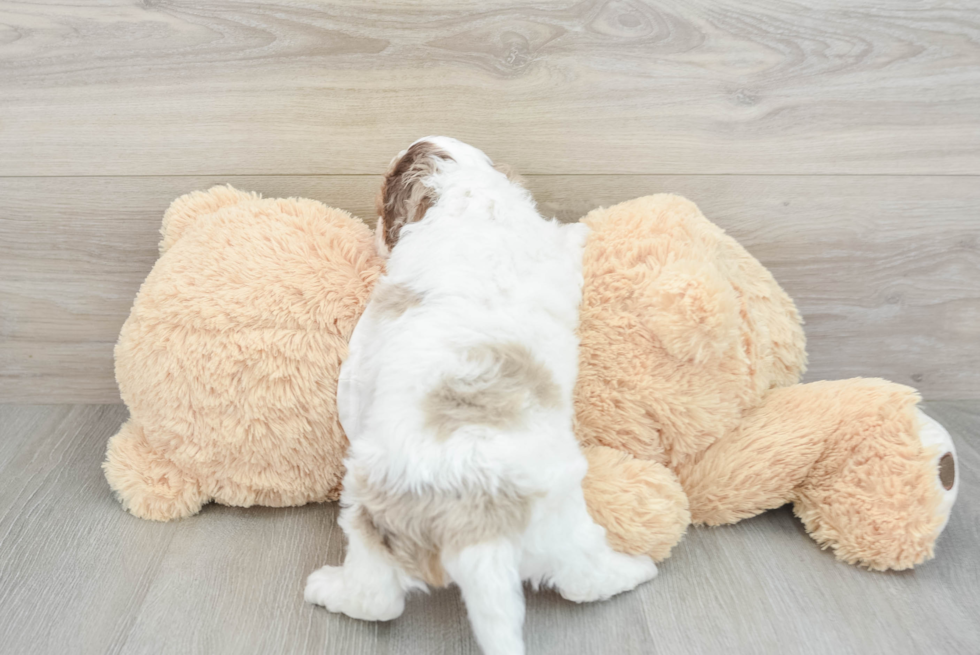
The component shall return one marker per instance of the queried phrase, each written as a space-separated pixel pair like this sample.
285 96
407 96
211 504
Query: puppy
457 399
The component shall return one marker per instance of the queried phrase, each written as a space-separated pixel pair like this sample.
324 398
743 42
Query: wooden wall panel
839 140
885 269
680 86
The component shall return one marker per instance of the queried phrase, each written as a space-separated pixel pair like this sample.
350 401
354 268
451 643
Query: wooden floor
79 575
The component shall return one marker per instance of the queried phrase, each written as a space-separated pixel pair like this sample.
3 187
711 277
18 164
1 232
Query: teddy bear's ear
188 209
693 311
405 195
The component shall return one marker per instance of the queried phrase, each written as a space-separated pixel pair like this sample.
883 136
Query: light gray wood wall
839 141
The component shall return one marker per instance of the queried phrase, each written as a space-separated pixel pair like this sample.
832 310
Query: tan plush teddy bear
690 359
687 405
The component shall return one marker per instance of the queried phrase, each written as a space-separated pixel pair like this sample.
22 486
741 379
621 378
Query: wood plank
886 270
79 575
289 87
73 566
19 428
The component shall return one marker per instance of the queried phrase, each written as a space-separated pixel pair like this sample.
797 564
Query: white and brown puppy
457 399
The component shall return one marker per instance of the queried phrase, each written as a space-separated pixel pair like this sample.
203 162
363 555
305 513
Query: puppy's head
407 191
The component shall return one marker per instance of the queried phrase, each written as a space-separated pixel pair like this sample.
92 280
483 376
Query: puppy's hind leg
366 587
488 575
582 566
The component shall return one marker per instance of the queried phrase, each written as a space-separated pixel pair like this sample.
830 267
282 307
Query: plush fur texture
682 331
230 357
848 456
463 465
686 403
689 357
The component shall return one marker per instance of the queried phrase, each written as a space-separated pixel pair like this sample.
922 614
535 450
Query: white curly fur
486 268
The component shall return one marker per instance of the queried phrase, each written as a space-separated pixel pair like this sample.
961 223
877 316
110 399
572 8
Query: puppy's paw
326 587
643 569
373 601
628 571
611 575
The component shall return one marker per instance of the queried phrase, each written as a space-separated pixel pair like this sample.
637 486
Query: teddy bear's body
687 403
690 357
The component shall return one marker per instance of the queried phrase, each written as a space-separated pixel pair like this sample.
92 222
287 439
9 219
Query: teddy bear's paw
936 439
891 495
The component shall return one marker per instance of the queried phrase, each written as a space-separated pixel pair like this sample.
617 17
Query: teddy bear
688 404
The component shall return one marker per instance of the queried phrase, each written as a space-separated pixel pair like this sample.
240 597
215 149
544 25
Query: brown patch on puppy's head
404 197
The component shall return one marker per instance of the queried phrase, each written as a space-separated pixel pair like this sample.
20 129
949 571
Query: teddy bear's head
230 357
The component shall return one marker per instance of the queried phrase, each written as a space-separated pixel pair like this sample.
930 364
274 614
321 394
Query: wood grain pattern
72 575
839 141
886 270
79 575
617 86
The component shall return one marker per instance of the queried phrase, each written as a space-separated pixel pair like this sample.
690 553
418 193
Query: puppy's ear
379 239
405 196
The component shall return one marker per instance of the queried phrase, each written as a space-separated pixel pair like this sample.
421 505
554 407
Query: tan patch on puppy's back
507 380
392 300
416 529
404 198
